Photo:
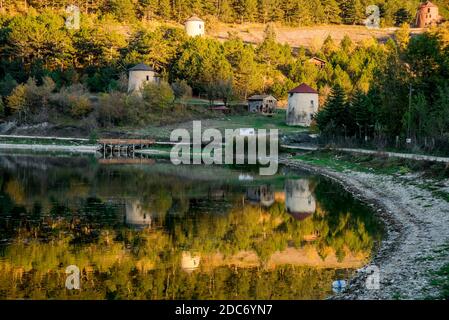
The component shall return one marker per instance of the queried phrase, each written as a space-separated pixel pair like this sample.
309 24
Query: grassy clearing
258 121
222 122
344 161
309 37
206 103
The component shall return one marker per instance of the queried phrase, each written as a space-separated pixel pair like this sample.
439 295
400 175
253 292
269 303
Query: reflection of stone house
262 103
427 15
263 195
302 105
216 193
139 75
189 262
299 199
194 26
136 216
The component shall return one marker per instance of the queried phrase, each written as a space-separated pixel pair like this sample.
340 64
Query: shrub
181 89
2 107
80 106
135 110
157 95
73 100
38 96
93 137
30 99
7 85
112 109
17 101
122 83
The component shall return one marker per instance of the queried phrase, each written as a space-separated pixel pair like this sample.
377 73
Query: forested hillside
385 90
39 52
294 12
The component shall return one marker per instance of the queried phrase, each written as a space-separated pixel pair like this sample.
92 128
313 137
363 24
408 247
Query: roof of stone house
260 97
316 58
194 18
141 67
303 88
300 215
427 4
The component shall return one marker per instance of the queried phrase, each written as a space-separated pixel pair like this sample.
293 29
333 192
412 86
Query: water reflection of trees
89 219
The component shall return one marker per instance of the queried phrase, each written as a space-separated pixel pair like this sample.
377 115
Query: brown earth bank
44 129
417 226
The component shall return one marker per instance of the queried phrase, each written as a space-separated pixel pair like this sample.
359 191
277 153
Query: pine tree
266 9
226 12
329 46
334 117
331 11
352 11
123 10
402 36
401 16
164 9
147 9
440 112
360 110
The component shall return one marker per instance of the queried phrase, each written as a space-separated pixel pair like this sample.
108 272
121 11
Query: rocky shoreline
417 225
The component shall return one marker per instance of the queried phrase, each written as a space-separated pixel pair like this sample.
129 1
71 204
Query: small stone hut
139 75
302 105
427 15
262 103
194 26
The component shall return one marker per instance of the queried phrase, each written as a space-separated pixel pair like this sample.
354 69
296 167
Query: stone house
194 26
427 15
303 102
262 103
139 75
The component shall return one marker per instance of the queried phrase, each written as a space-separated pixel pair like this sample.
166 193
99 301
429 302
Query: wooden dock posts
115 161
109 146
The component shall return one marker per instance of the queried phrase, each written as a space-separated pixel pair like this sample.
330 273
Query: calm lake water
157 231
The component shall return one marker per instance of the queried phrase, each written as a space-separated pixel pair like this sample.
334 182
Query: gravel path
50 147
417 224
418 157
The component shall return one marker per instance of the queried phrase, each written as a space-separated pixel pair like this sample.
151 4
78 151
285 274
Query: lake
151 230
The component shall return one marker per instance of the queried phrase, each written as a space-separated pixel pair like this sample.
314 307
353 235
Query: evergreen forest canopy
292 12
